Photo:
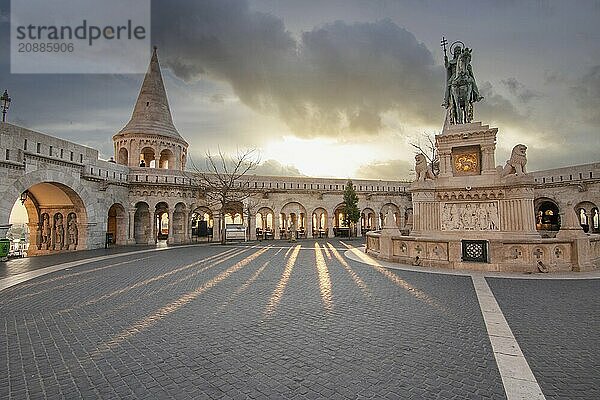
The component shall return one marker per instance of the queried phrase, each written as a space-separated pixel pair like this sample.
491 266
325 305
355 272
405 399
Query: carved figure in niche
493 218
467 218
422 168
517 162
446 217
454 217
59 232
482 217
72 230
46 231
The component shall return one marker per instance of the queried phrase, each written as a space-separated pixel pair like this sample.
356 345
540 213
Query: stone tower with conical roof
150 139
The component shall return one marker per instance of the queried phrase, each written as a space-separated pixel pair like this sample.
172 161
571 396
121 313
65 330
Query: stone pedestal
469 199
389 230
474 215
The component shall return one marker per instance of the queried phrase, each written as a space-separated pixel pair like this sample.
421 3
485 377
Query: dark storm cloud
586 92
519 90
335 78
495 108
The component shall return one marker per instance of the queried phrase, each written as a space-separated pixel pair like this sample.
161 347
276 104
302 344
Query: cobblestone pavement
16 266
275 320
557 325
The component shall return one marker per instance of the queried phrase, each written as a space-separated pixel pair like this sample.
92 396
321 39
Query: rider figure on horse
461 90
451 75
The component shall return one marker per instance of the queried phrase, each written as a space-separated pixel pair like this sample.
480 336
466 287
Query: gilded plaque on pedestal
466 160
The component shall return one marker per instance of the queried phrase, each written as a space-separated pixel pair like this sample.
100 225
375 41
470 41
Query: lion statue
517 162
422 168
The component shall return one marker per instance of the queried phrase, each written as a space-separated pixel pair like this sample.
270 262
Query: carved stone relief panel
470 216
437 251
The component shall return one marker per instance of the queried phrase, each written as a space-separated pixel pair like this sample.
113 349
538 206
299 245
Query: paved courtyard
284 320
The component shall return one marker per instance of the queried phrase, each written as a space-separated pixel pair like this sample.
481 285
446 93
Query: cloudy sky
341 87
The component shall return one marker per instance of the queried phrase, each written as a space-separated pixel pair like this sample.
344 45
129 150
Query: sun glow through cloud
320 156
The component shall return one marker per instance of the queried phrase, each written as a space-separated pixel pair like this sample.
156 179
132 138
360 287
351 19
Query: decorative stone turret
150 139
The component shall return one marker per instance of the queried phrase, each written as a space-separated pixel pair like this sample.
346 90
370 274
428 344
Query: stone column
186 227
488 162
445 163
308 226
35 237
252 227
170 238
131 227
276 226
359 228
152 218
216 226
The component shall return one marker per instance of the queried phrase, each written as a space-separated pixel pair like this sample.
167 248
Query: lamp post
5 104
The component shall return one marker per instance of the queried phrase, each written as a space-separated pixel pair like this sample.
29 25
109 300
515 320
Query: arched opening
117 225
234 221
147 157
264 223
319 223
585 212
19 234
123 156
595 220
142 224
202 223
367 220
583 220
292 220
48 217
547 217
341 227
166 160
234 213
161 221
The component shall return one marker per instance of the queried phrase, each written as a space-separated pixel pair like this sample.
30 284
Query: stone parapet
503 255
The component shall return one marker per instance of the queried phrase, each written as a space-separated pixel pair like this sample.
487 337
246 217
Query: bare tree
222 182
429 151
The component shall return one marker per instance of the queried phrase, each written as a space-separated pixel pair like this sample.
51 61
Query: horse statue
461 90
